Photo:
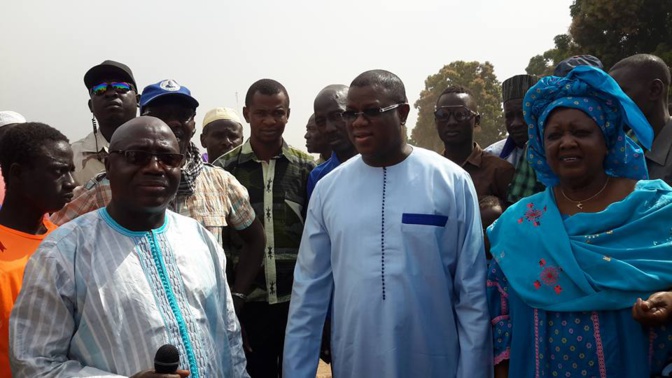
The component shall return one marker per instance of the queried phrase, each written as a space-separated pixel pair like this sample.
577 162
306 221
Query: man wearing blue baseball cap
208 194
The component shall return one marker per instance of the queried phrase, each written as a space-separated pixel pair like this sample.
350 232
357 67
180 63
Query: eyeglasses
118 86
351 115
142 158
459 112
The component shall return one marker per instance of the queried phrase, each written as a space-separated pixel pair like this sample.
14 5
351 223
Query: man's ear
403 112
656 90
288 111
477 121
14 174
90 107
246 114
203 140
106 162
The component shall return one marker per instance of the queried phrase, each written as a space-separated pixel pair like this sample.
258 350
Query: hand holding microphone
167 359
166 362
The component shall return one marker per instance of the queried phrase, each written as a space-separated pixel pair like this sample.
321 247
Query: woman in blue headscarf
571 262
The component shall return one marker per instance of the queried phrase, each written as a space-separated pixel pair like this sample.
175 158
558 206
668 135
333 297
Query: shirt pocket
424 219
422 236
213 223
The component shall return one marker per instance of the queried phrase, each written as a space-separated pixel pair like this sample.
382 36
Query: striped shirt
219 200
99 300
278 195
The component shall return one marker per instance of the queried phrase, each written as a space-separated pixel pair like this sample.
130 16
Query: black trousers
265 327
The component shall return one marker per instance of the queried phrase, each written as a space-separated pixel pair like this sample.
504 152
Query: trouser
265 327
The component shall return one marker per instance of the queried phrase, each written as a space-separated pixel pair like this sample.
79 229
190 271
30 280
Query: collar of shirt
661 145
334 158
247 154
89 143
475 158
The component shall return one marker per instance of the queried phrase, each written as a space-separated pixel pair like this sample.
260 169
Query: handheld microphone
167 359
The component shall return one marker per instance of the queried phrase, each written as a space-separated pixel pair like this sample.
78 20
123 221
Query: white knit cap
7 117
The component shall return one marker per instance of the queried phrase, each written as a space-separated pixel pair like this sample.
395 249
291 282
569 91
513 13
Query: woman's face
574 145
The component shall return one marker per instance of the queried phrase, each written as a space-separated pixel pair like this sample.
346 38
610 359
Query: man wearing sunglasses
456 117
393 250
113 101
116 284
208 194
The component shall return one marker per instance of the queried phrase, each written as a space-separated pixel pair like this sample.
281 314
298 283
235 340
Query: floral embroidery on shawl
549 276
532 215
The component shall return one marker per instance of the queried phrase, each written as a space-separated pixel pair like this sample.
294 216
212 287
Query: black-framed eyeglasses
142 158
460 113
120 87
351 115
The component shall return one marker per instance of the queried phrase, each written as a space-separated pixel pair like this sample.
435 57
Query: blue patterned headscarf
594 92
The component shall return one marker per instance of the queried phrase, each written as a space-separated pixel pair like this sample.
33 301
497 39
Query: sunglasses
119 87
460 113
142 158
351 115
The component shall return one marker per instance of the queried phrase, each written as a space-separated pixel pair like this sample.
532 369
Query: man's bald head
645 78
386 80
645 67
334 92
141 127
329 106
144 172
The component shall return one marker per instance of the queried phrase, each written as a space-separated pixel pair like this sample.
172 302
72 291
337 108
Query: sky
219 48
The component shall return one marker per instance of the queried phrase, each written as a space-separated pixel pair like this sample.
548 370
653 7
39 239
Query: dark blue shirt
320 171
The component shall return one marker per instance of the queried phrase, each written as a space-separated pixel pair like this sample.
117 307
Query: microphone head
167 359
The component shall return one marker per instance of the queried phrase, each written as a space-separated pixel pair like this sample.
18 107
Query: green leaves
611 30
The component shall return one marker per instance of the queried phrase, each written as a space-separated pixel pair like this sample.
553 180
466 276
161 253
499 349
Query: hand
238 304
152 374
655 311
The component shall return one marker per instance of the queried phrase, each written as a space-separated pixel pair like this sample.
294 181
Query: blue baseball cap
166 88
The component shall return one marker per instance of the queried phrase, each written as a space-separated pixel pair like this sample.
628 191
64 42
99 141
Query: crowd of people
544 254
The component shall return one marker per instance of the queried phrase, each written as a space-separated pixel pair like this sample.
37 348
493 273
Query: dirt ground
323 370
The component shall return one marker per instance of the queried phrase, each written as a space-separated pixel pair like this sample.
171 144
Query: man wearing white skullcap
222 132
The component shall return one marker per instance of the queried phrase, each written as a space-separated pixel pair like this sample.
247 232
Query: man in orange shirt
36 162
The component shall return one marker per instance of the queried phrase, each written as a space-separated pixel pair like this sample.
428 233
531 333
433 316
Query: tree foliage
611 30
482 82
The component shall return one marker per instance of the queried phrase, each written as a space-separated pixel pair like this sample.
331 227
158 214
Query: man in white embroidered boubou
406 273
120 282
